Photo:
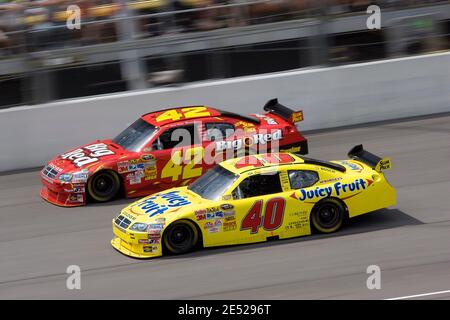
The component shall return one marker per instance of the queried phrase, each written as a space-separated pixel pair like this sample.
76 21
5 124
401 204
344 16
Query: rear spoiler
375 162
273 106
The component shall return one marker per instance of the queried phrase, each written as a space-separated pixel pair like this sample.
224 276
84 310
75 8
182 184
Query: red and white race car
165 149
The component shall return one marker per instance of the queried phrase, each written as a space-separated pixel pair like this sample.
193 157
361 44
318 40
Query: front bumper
63 194
128 243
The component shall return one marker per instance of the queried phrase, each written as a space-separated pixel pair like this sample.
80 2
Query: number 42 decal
273 216
185 164
186 113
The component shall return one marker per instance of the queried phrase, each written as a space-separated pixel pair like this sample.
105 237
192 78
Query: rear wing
273 106
375 162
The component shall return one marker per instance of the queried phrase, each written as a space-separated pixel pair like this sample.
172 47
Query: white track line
420 295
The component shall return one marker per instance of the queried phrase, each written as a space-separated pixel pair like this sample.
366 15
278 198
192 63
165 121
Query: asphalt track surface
410 243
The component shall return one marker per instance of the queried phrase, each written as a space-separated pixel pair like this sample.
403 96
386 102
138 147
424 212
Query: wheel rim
180 237
328 216
103 185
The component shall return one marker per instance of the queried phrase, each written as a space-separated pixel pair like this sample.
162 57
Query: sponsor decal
208 225
151 240
172 200
134 178
229 213
147 248
148 157
155 236
76 189
156 226
129 216
214 215
337 189
330 180
53 166
154 232
80 177
207 210
229 226
298 213
297 116
230 218
352 165
150 173
87 154
327 169
135 161
200 216
122 167
285 184
247 127
384 164
295 225
214 230
76 198
209 213
160 220
226 207
136 167
269 120
255 139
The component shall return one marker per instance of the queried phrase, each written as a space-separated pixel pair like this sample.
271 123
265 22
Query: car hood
165 204
87 156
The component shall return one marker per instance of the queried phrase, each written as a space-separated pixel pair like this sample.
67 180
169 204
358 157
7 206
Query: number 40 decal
273 216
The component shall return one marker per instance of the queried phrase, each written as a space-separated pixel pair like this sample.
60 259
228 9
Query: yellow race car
253 199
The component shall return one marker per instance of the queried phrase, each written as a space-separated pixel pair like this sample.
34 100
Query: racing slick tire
180 237
103 186
328 216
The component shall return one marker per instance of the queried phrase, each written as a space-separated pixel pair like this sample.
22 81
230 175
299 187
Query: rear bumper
63 194
300 147
128 244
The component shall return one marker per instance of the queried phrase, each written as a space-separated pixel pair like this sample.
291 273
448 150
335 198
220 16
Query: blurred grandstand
127 45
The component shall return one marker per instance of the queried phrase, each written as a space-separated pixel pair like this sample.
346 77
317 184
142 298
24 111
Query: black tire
180 237
104 186
328 216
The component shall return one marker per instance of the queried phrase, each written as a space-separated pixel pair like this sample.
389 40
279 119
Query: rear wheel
104 186
328 216
180 237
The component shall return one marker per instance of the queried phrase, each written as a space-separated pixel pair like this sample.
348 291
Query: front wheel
180 237
328 216
104 186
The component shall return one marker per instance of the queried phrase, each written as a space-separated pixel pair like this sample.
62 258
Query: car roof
199 113
262 161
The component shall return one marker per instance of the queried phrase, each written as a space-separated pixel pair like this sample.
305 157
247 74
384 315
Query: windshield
135 136
213 183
